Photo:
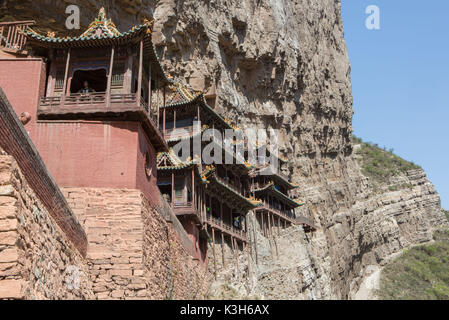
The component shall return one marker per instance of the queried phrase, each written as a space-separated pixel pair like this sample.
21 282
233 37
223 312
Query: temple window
59 83
118 75
96 78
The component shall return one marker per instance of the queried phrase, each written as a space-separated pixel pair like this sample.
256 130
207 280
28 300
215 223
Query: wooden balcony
226 228
181 133
11 40
186 208
297 220
101 106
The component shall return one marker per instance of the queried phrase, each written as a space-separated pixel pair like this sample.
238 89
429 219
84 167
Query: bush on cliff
381 164
421 273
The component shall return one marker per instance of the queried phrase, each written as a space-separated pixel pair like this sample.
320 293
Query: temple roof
101 32
267 171
271 188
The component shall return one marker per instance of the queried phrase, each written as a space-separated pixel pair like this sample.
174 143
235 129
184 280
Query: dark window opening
165 191
97 80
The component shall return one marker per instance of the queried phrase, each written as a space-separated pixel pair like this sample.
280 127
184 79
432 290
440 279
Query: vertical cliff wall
284 65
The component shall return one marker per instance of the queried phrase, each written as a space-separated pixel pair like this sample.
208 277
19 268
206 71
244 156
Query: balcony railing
304 220
10 37
289 217
183 132
97 102
226 226
230 185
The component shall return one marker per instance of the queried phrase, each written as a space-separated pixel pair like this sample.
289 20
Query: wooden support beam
237 258
139 80
173 189
174 119
150 90
279 225
109 85
66 74
213 248
193 189
157 102
221 213
269 223
163 121
223 249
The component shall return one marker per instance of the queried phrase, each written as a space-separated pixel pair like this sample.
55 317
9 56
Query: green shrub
420 273
380 164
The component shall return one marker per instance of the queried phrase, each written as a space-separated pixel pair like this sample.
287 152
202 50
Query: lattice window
59 84
118 75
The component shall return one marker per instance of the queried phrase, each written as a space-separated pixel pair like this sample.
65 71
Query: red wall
80 153
23 81
147 184
89 154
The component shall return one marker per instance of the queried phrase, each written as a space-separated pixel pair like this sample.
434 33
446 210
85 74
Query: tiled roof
102 31
270 187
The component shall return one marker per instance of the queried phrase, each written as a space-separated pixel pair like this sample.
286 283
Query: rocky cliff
284 65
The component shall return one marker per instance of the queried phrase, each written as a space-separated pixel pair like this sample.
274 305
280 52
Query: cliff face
284 65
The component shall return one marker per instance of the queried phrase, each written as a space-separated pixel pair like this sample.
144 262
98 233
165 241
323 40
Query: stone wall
37 261
133 251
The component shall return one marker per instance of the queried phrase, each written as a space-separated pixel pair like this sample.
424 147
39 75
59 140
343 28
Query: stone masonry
37 261
133 252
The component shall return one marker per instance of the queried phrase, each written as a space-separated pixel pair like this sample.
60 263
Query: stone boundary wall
133 251
37 260
172 270
166 212
16 142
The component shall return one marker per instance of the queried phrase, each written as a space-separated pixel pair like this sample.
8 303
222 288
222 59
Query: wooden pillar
279 225
199 120
213 249
150 90
249 261
272 223
173 189
237 257
163 121
66 75
193 188
51 78
221 213
269 223
204 201
263 225
223 249
139 80
111 67
157 103
174 119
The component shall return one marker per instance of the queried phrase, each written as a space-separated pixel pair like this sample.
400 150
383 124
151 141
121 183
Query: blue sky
400 78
